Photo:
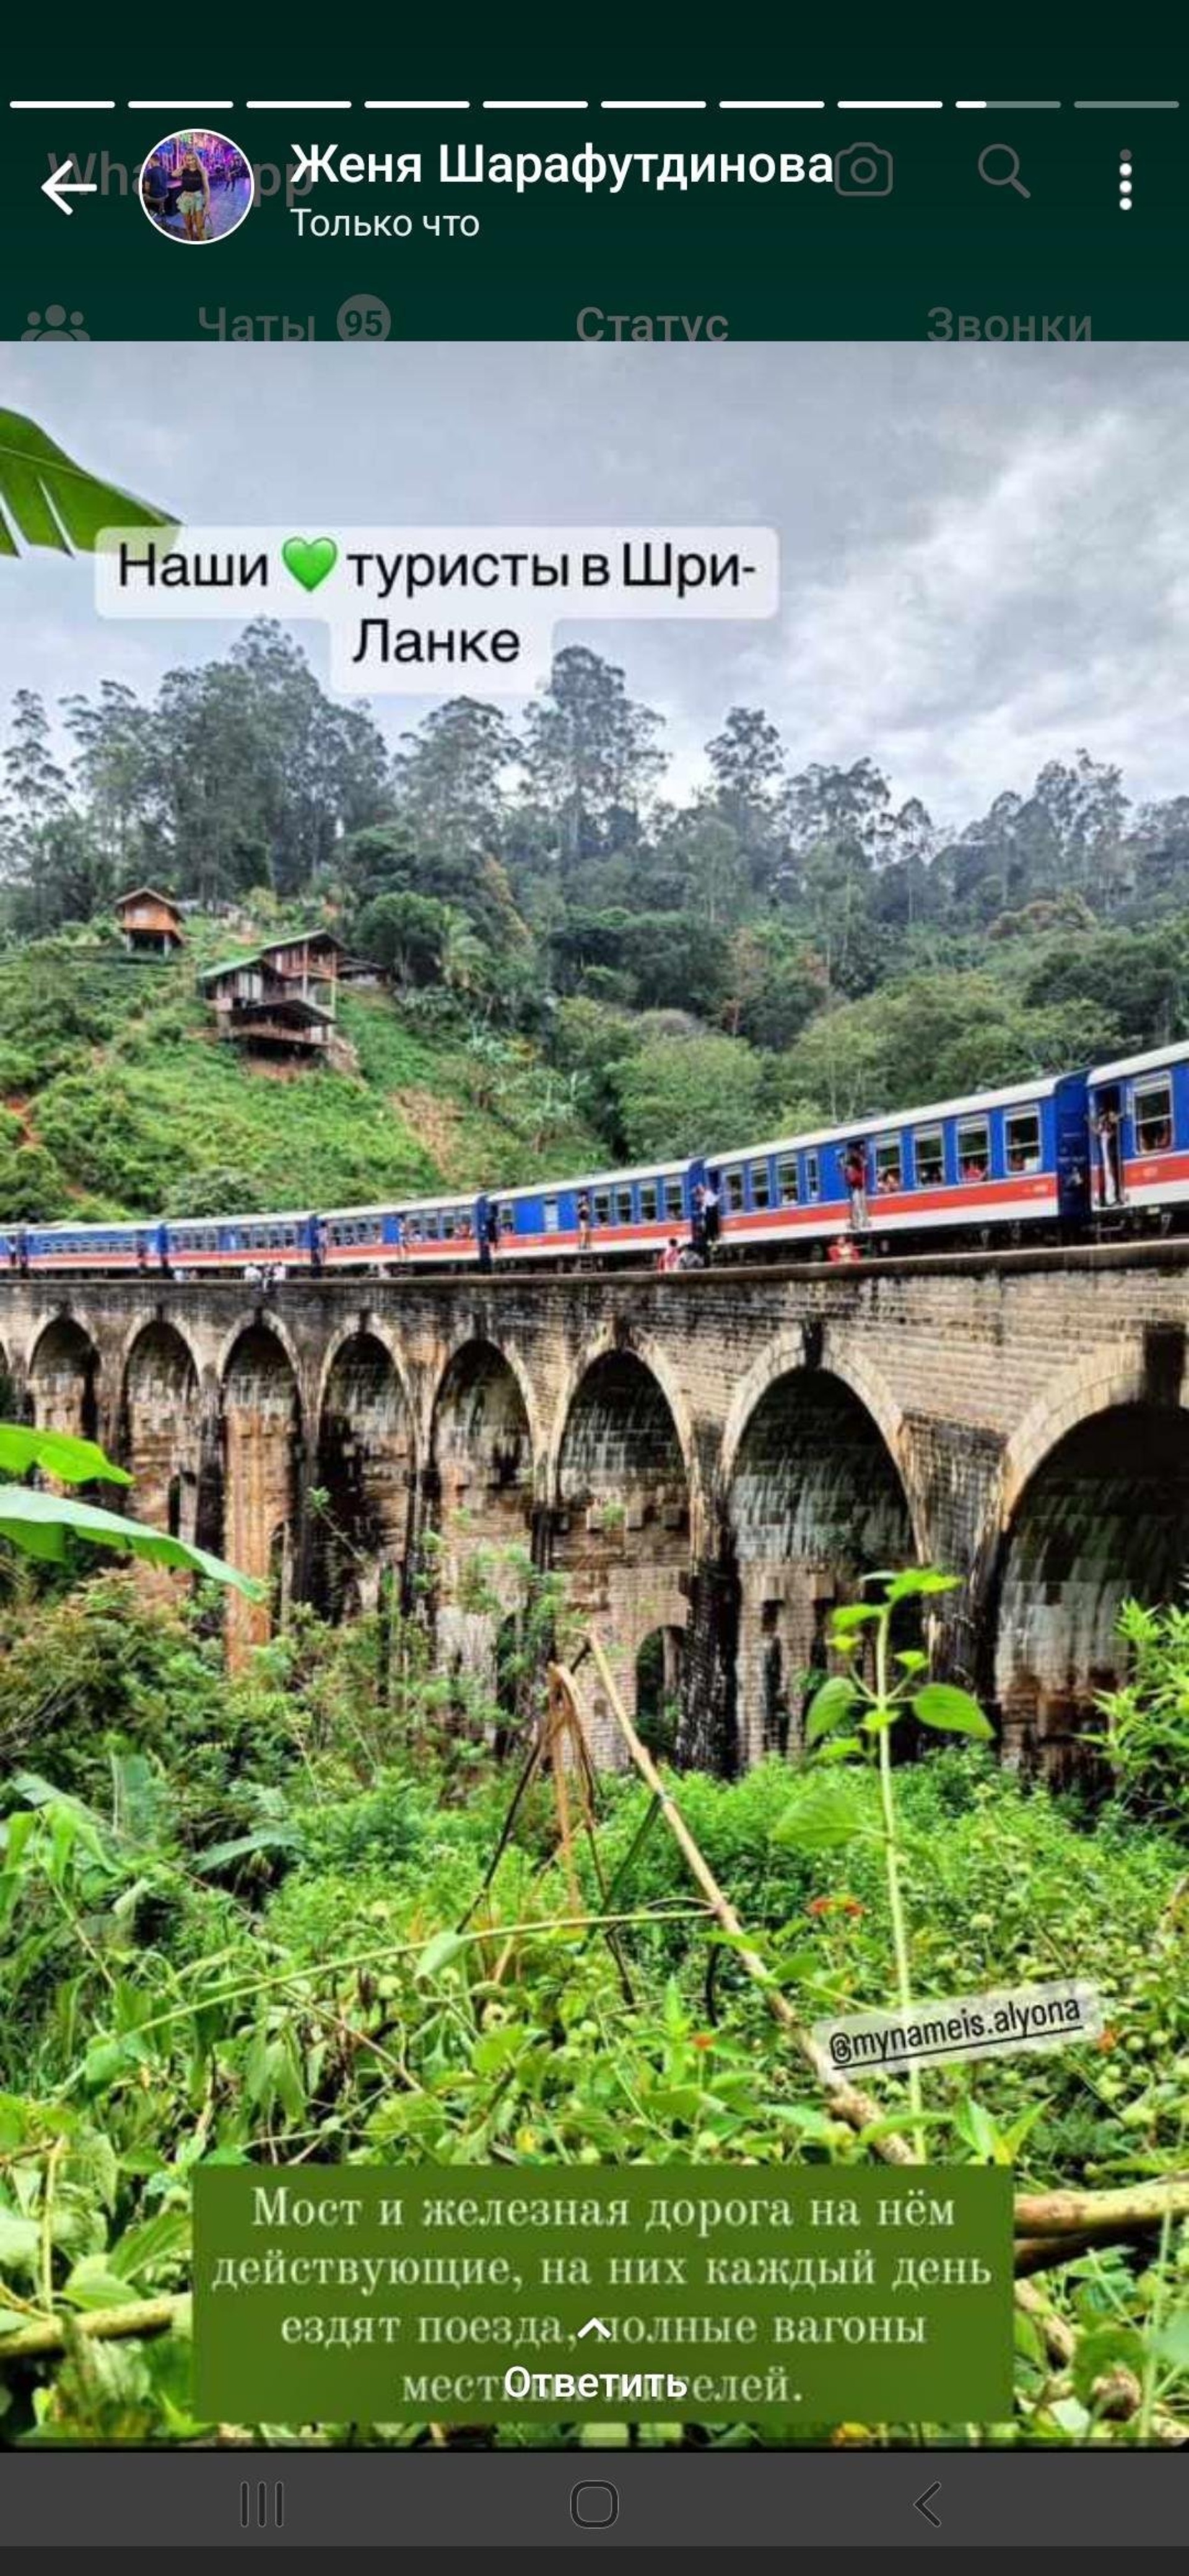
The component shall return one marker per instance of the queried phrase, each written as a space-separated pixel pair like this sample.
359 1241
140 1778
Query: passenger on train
854 1173
1106 1135
583 1214
705 1215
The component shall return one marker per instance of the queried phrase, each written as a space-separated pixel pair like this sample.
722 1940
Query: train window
551 1216
290 1235
507 1220
733 1185
602 1207
813 1177
623 1207
448 1229
1151 1106
761 1186
889 1163
649 1203
929 1153
1022 1139
974 1149
788 1180
465 1227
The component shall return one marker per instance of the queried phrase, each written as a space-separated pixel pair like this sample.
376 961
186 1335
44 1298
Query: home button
594 2505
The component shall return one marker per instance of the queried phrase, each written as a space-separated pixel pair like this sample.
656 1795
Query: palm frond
49 501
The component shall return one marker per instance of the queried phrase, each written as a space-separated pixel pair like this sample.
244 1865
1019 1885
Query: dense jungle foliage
580 967
228 1911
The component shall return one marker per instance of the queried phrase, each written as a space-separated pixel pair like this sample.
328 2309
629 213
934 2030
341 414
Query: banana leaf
49 501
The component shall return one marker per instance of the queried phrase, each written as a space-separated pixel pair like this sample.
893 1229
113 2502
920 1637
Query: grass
116 1097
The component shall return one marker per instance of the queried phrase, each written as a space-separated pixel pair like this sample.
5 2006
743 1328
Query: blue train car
610 1216
88 1247
992 1162
423 1233
1139 1122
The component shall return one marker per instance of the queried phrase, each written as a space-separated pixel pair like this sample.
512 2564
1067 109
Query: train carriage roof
400 1207
594 1180
972 1105
1175 1052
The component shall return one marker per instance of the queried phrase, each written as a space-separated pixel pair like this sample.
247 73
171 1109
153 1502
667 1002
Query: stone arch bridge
712 1460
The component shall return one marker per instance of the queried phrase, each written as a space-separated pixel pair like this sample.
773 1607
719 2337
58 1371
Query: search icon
1009 178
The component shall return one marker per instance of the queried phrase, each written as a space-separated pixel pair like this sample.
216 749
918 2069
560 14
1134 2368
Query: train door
1105 1122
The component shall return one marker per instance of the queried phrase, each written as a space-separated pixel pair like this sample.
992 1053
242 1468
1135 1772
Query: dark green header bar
587 191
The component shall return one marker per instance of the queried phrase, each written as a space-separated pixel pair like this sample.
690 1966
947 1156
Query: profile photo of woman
194 195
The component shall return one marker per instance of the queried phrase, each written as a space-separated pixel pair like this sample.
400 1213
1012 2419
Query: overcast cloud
985 553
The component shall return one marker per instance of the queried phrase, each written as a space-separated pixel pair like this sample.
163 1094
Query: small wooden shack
151 922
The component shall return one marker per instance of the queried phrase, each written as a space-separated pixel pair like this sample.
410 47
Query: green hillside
118 1098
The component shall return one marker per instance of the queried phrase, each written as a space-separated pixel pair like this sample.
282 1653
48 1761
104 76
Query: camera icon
863 170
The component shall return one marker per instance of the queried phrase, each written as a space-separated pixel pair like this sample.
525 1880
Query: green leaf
853 1615
147 2247
1172 2339
92 2285
911 1660
830 1808
20 2241
951 1711
919 1579
49 501
439 1952
40 1525
57 1453
829 1707
1101 2354
263 1838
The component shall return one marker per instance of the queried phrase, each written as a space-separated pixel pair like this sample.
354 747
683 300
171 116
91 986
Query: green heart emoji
309 559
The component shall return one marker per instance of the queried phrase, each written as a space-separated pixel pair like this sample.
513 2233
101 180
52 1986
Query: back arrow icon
57 187
921 2504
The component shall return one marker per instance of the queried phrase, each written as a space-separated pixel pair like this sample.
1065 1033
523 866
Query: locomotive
1068 1156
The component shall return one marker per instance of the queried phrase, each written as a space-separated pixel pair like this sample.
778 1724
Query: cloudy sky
985 552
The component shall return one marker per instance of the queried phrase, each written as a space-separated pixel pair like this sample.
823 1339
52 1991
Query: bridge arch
262 1430
623 1501
265 1319
482 1458
366 1466
1100 1513
160 1434
65 1378
813 1498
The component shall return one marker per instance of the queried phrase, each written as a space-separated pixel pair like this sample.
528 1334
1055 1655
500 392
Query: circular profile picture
196 186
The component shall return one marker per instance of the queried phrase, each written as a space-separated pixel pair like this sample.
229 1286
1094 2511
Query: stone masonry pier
711 1460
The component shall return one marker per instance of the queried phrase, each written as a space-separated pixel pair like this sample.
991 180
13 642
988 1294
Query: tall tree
450 776
589 752
747 767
